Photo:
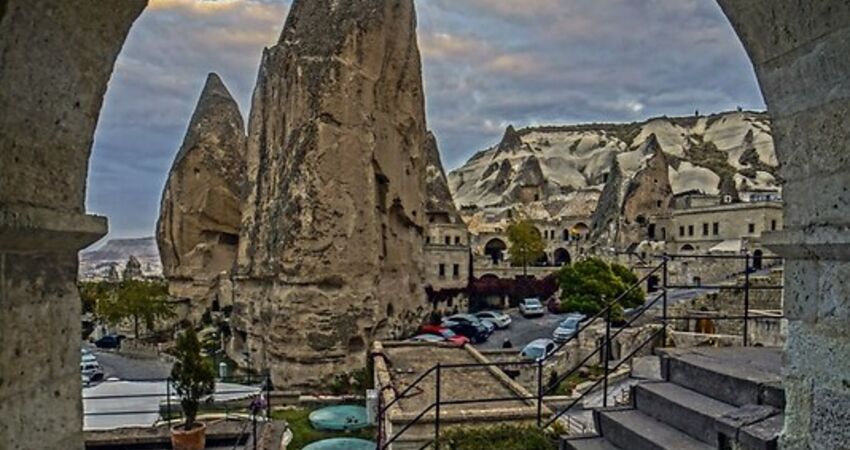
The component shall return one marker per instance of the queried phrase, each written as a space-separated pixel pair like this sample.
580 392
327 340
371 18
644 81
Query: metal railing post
168 400
437 410
746 298
606 351
269 397
664 305
539 392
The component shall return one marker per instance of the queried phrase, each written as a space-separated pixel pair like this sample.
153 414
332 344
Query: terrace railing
659 299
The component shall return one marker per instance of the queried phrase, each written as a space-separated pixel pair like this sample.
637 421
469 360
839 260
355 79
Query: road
522 330
122 367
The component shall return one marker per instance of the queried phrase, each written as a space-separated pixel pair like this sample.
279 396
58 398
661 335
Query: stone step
738 376
686 410
587 443
633 430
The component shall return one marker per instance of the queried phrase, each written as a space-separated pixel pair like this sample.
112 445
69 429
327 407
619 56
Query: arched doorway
687 248
495 249
652 284
561 257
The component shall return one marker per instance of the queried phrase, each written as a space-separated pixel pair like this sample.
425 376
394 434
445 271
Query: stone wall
800 53
56 58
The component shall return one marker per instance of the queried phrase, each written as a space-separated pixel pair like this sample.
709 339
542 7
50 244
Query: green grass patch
502 437
303 433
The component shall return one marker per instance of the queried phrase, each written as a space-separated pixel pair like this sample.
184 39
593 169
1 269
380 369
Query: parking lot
522 330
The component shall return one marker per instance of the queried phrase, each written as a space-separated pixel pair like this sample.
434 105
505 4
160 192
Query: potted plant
193 378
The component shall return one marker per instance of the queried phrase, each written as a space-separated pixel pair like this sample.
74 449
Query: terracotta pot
194 439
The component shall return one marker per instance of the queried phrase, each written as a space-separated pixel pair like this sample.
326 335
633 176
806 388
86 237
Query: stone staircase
709 398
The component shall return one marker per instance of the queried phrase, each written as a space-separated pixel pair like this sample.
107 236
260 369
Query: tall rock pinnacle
200 213
439 197
331 248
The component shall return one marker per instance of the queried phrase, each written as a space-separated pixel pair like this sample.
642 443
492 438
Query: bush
585 284
503 437
192 376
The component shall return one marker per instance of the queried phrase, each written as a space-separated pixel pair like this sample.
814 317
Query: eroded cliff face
331 248
439 201
200 214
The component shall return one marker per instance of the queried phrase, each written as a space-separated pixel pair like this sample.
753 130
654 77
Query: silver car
531 307
566 329
498 318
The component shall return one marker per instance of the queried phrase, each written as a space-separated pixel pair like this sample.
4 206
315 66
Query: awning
728 246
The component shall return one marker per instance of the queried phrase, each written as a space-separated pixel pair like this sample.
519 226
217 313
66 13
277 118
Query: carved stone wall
56 58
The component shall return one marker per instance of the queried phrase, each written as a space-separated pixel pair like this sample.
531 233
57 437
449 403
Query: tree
91 292
588 285
192 375
143 302
526 244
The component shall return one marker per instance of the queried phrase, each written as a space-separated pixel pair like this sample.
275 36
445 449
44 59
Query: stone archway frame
799 51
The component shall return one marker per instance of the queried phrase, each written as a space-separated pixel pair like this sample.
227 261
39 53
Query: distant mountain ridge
561 170
116 252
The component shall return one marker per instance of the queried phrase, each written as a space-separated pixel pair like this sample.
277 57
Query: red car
447 334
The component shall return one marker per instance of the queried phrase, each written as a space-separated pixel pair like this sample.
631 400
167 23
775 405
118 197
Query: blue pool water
339 418
342 444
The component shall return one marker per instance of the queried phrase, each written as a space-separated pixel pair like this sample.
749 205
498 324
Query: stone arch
561 256
797 48
495 248
758 259
687 248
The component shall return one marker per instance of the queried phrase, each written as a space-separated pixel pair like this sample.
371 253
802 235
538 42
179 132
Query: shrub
503 437
192 376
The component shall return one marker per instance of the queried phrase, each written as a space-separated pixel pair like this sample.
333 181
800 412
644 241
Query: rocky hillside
561 171
115 253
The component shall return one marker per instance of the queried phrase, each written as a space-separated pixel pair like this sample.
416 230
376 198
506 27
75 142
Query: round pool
342 444
339 418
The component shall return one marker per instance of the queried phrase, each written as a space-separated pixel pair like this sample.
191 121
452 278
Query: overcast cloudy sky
487 63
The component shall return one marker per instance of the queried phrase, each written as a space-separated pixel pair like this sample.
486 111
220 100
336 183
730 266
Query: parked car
471 319
538 349
427 338
498 318
566 329
87 357
447 334
92 371
109 341
531 307
476 333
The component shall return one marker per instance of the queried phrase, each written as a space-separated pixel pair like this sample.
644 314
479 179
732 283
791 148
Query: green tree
192 375
526 244
588 285
91 292
144 302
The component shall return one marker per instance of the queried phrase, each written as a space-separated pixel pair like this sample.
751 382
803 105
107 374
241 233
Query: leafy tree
586 286
192 375
143 302
91 292
526 244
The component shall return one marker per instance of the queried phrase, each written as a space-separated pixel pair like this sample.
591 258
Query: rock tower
331 249
200 214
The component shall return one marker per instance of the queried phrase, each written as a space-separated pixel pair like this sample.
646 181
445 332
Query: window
658 203
751 228
773 225
442 270
715 228
681 231
705 229
448 240
456 270
427 239
457 240
690 230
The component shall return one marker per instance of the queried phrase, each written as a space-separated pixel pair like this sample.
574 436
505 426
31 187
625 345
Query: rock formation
200 215
331 248
716 154
439 199
133 269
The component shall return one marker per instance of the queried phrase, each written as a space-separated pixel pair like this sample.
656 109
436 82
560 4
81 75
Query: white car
498 318
427 338
91 370
538 349
87 358
531 307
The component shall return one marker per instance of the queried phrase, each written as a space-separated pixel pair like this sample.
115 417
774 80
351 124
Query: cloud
486 63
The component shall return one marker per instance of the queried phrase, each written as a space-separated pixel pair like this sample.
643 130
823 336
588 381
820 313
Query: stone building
446 235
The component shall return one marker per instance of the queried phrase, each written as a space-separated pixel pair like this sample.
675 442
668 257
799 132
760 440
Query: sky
486 64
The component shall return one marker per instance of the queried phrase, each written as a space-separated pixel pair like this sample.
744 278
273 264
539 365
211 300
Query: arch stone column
56 57
801 54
